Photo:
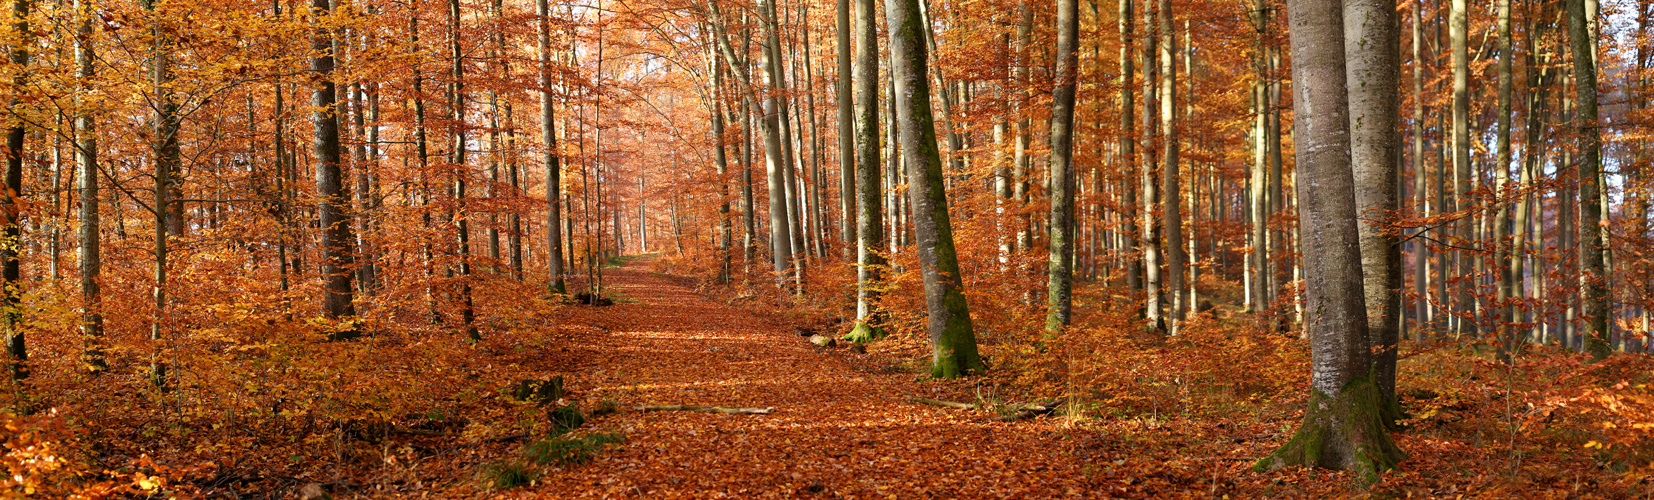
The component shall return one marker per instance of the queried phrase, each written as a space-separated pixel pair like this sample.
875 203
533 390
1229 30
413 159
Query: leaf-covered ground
415 413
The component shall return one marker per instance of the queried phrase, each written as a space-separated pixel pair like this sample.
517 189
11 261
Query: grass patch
505 475
570 450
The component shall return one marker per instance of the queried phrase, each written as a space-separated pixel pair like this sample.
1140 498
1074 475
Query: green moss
1345 433
570 450
864 332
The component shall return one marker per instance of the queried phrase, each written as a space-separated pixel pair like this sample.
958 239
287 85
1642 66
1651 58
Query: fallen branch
949 404
1031 410
708 409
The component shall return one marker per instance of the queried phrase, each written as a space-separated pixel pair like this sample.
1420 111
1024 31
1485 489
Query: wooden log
708 409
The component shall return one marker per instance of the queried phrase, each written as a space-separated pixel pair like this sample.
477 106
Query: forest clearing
843 249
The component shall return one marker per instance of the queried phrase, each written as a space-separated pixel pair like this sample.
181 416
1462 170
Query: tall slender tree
1372 51
86 162
553 159
11 235
953 339
869 187
1593 276
333 202
1059 305
846 128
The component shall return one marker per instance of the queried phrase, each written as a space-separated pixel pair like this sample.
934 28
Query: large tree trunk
337 254
1421 252
774 160
461 172
12 209
869 187
1593 278
1343 427
86 161
1059 301
1372 49
953 340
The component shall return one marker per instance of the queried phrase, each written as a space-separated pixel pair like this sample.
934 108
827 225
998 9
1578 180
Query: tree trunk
1153 285
846 129
1592 277
553 158
1128 144
168 158
870 262
1059 300
1172 192
334 201
953 341
86 161
461 172
1505 319
1343 427
12 209
1458 30
1372 50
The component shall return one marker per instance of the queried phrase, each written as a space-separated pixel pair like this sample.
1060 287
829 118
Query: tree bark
1343 427
11 239
1593 278
1372 50
553 158
870 262
846 129
337 254
953 340
1059 300
1458 32
1172 191
86 161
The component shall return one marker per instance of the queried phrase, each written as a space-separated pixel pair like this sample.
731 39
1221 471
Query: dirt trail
841 426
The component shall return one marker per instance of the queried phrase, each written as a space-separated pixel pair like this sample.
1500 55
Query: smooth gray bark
1372 50
1059 304
953 339
1343 427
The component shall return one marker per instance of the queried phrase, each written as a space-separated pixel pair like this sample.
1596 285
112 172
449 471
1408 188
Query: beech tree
952 338
1060 300
337 252
1343 427
11 208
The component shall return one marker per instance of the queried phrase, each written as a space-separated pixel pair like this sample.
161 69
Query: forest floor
418 412
845 424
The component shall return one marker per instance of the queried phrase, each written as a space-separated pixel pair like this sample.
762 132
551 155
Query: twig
708 409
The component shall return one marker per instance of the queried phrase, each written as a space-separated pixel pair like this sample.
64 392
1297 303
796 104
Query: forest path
841 427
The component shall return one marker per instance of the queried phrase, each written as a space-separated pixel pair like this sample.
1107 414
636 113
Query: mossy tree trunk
1344 425
1059 299
1593 278
869 188
953 341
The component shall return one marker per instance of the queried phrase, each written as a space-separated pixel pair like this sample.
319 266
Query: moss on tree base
1345 433
863 333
